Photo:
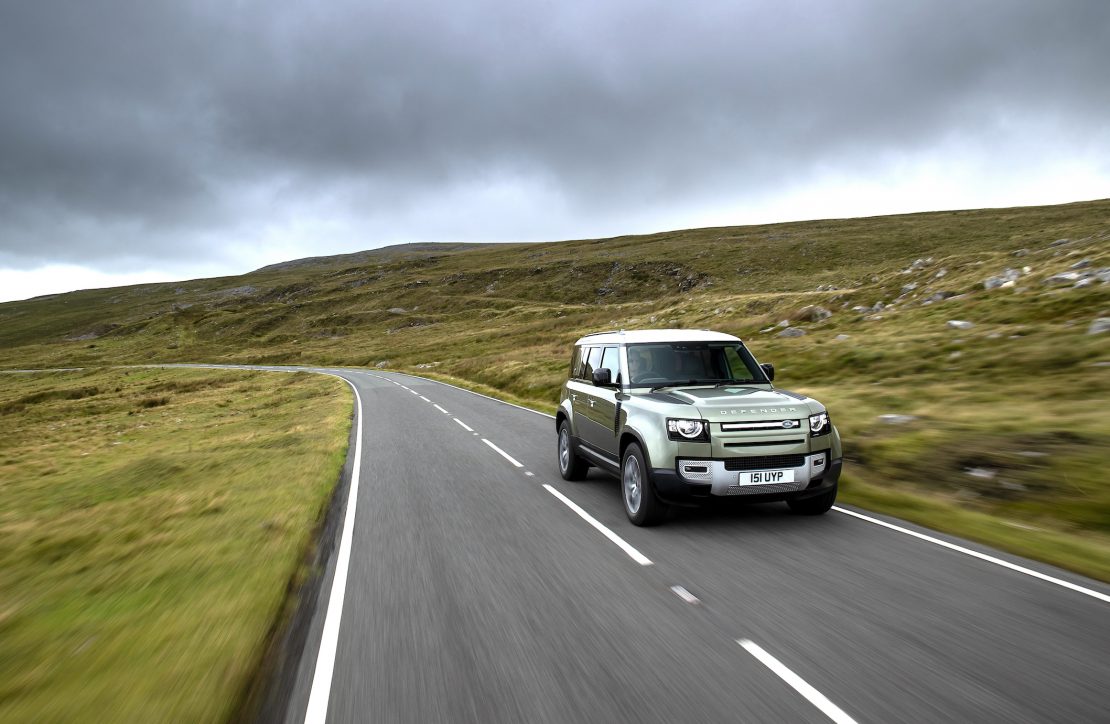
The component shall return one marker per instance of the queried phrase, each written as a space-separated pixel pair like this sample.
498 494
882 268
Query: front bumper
813 477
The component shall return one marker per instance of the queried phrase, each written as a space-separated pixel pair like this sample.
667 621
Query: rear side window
576 363
611 360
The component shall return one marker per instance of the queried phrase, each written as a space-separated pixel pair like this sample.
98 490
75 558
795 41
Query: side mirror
603 377
769 370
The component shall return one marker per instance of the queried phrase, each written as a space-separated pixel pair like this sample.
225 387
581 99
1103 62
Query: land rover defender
684 416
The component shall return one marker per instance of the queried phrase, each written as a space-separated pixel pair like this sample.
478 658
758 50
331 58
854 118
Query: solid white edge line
320 693
796 682
620 542
466 427
445 412
975 554
503 454
448 384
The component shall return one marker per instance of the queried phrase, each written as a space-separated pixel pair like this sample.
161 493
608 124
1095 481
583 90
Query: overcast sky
166 140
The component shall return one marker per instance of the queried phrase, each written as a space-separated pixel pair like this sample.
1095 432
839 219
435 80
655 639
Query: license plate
766 477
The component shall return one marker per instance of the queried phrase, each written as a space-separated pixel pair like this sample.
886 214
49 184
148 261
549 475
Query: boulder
813 313
892 419
938 297
1061 279
1005 279
917 265
1100 325
959 324
791 332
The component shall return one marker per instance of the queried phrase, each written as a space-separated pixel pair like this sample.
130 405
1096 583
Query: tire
641 504
816 505
571 467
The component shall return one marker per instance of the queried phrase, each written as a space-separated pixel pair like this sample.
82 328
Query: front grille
765 462
760 425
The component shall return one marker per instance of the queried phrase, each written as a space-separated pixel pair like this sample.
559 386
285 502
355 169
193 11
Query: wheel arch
627 438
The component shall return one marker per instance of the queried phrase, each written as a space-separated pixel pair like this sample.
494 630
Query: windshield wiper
730 383
687 383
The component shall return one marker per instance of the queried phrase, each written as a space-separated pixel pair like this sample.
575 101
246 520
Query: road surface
473 584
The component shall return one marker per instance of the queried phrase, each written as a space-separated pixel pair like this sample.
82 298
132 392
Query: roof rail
608 331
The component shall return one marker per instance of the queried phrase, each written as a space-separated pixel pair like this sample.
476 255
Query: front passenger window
593 362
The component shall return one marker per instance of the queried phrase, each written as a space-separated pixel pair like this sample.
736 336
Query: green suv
683 416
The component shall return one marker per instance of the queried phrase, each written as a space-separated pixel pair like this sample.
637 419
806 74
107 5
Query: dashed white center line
620 542
422 397
466 427
503 454
445 412
685 595
412 391
796 682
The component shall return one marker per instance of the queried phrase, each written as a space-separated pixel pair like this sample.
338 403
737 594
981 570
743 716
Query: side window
576 363
593 362
611 360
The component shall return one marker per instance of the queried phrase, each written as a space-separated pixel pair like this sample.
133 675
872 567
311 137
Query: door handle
591 402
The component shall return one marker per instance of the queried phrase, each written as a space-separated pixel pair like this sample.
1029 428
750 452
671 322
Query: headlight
693 430
819 424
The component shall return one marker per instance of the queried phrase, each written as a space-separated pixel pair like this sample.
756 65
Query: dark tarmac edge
267 694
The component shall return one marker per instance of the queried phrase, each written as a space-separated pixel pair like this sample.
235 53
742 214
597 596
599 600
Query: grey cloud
165 130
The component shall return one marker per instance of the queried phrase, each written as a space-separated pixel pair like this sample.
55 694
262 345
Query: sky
151 141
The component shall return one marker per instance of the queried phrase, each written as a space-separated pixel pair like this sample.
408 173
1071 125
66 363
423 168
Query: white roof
640 336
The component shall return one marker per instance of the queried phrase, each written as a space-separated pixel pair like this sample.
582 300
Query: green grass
150 524
1023 394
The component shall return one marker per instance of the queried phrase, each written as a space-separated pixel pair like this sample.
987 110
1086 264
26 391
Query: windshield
671 364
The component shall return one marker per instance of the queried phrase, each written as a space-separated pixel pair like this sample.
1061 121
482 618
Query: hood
747 403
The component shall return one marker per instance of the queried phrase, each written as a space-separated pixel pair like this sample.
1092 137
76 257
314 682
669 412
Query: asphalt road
469 591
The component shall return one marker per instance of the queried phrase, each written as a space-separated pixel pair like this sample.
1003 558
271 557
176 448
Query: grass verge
150 523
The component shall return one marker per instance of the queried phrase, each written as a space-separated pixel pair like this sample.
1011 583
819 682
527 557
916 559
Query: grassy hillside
1009 416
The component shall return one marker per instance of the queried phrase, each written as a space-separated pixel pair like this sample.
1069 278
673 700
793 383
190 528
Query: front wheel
640 502
816 505
571 467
